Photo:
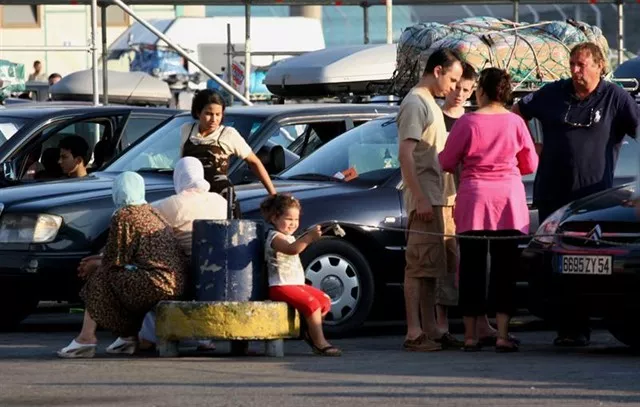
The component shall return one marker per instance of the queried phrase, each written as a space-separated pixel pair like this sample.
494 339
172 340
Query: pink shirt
494 150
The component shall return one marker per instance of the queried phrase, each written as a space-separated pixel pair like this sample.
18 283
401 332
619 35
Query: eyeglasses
589 124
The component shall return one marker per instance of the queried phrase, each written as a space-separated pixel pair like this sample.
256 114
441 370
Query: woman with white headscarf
142 265
192 201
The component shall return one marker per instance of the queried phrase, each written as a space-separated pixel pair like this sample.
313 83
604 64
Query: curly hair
278 204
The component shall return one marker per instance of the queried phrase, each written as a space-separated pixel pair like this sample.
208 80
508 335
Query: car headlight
550 226
29 228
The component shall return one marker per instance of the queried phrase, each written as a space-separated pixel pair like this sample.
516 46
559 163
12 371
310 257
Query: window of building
116 17
19 16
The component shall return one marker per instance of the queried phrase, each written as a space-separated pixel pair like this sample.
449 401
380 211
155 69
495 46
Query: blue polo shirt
581 138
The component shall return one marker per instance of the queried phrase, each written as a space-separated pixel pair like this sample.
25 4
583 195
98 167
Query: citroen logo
595 234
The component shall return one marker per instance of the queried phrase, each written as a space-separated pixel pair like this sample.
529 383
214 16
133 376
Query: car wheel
337 267
15 308
626 331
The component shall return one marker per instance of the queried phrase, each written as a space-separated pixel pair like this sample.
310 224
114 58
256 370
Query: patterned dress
143 264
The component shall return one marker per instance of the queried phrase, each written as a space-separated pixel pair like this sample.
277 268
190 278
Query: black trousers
475 298
568 320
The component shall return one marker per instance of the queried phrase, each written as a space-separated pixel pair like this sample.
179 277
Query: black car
46 228
592 265
29 133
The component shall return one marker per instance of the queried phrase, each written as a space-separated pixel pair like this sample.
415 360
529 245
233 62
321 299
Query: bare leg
503 330
88 333
442 318
470 337
484 327
412 290
314 326
427 305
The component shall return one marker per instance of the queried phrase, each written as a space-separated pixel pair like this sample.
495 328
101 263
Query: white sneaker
75 350
122 346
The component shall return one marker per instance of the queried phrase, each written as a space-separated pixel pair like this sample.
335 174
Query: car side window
41 157
285 135
138 126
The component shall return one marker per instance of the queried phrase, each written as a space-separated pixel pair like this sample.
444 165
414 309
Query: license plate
596 265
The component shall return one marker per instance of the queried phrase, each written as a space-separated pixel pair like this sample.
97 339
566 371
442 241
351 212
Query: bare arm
516 109
280 244
258 169
410 178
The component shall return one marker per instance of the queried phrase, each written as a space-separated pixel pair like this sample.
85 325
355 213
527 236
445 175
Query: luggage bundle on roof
532 53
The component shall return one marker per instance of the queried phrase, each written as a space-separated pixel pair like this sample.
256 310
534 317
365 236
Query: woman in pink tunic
494 149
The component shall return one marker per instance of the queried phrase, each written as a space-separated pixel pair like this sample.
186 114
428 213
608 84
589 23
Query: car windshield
10 126
160 150
368 152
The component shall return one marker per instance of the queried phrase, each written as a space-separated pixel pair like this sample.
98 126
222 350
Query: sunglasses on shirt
583 125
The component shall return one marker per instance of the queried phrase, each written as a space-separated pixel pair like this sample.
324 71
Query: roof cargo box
358 70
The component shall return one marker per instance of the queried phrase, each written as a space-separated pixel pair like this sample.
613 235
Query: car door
38 152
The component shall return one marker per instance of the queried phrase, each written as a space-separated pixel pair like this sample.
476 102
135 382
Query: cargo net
533 54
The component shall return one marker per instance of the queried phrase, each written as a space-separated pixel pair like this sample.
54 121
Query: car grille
573 233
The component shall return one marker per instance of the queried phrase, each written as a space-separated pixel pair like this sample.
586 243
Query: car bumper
592 295
52 277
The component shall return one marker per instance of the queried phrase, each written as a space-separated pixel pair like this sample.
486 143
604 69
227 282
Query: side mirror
8 171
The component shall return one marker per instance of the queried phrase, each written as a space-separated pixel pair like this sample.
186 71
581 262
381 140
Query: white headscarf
189 174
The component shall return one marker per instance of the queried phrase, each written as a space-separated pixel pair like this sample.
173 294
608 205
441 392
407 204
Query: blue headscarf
128 190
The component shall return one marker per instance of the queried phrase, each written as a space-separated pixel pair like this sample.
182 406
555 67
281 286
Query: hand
424 210
315 233
89 265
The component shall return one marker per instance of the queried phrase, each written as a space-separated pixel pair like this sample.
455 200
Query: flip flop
75 350
122 347
327 351
476 347
491 340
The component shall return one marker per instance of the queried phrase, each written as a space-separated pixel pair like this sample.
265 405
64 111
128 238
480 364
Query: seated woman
142 264
192 201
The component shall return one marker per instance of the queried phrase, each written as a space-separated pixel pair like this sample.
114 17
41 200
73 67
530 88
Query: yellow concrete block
251 320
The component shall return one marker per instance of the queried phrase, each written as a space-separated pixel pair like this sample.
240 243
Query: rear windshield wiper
313 177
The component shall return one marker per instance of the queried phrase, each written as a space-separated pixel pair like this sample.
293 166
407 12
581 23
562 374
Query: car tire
626 331
15 308
339 269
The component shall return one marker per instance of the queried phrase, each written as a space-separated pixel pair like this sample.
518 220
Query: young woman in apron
214 144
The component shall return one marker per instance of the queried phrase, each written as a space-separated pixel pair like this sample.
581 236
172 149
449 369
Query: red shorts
304 298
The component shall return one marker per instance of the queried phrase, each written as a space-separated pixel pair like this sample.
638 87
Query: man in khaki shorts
429 195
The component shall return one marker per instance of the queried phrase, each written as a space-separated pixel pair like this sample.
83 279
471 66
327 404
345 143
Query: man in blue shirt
584 120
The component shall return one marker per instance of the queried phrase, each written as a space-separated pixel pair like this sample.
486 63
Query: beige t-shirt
226 137
420 118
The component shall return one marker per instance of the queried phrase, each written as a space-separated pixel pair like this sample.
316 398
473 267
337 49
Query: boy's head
74 155
464 87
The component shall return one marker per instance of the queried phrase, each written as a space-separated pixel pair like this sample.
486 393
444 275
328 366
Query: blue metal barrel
228 260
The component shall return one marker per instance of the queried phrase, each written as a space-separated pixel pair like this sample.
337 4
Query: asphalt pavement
373 371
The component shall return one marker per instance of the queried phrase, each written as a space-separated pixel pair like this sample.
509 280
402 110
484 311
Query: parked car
599 277
28 132
279 134
368 263
46 228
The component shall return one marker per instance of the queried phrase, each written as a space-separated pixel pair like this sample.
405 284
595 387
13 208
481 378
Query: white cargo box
356 69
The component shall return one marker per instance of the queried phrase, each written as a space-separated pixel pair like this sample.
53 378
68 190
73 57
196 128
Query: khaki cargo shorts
429 256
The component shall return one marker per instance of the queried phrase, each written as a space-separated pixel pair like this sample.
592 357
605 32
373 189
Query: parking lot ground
374 371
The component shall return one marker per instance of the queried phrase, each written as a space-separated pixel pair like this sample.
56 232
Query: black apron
216 165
